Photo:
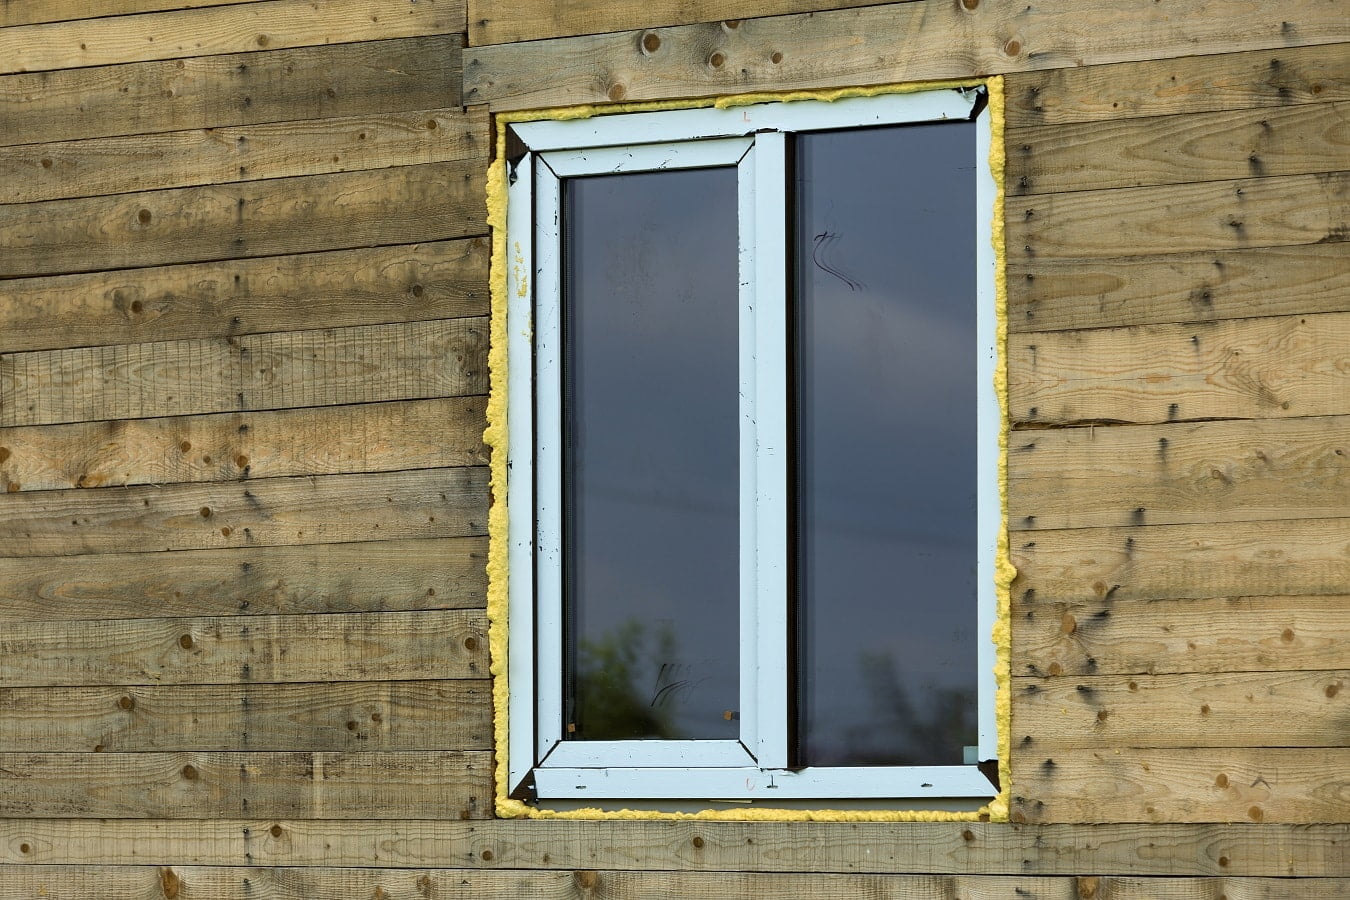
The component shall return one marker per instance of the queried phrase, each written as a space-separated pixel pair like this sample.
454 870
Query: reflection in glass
650 399
886 384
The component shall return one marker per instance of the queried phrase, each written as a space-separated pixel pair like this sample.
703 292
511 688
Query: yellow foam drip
496 437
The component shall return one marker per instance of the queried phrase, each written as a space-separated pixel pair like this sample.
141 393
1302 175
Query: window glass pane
885 275
651 386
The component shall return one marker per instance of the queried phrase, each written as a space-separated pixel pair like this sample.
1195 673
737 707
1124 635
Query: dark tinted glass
651 298
885 274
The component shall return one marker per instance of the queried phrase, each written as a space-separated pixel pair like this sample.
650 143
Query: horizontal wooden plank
938 848
399 205
29 12
206 31
333 440
1134 785
1216 635
1245 368
1055 294
355 716
1247 709
375 576
1179 149
1189 83
1156 562
367 286
371 77
442 358
881 44
1217 215
386 646
508 21
116 165
428 503
434 785
1230 471
148 883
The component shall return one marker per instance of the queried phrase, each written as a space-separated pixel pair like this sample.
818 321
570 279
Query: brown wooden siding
243 289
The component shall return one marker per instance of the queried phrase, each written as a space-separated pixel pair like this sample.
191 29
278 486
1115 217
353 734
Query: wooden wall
242 367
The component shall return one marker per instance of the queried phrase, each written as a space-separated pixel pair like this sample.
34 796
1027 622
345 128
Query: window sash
754 766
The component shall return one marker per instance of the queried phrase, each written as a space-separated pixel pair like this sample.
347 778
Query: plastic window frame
541 765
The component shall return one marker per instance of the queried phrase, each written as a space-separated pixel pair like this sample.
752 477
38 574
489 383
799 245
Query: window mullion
769 363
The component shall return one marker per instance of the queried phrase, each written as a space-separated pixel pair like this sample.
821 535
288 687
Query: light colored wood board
399 205
1212 215
148 883
447 573
143 162
328 509
881 44
1161 562
1245 709
433 785
1186 84
1214 635
891 847
1128 784
277 370
1232 471
372 77
1059 294
366 286
1164 888
205 31
509 21
329 440
386 646
1178 149
353 716
1274 367
30 12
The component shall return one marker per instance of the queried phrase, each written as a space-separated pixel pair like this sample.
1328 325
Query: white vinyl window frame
753 139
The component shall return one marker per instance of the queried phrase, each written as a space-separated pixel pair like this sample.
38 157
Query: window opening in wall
752 491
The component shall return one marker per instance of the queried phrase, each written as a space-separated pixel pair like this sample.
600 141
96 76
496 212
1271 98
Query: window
753 455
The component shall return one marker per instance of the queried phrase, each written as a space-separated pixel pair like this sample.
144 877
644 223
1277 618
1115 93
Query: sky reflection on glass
651 384
885 262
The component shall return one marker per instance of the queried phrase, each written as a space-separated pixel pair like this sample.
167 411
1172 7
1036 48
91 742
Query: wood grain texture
442 358
428 503
1215 635
256 581
142 882
1244 368
940 848
388 646
1285 558
1246 709
399 205
30 12
509 21
368 437
1174 474
1217 215
1136 785
1179 149
116 165
206 31
369 78
434 785
881 44
368 286
1056 294
1186 84
353 716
